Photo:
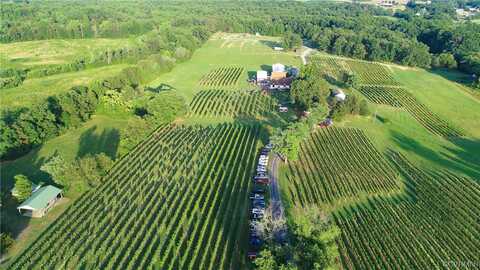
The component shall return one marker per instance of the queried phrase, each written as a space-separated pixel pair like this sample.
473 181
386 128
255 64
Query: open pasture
213 103
32 54
433 224
336 166
178 200
35 90
223 76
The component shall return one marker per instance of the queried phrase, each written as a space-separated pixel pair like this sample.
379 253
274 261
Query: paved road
278 211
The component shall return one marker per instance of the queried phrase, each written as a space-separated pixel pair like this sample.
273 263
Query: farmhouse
40 201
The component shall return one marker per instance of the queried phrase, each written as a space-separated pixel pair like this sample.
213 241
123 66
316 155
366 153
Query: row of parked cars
257 197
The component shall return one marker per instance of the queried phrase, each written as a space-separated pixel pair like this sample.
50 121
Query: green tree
23 187
266 261
6 241
292 41
57 168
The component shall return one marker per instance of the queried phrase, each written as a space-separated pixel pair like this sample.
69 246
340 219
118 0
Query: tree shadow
267 68
91 143
271 43
453 75
464 159
160 88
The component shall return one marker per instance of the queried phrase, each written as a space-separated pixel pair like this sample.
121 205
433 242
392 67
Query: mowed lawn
443 97
31 54
393 128
35 90
247 51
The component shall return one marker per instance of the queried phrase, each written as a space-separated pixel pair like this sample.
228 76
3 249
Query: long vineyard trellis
338 164
378 85
175 202
435 226
223 76
231 103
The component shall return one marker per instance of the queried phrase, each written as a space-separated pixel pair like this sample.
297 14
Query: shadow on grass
270 43
465 158
107 142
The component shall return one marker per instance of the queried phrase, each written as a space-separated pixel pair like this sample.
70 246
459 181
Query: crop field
211 103
432 226
223 76
384 95
338 164
176 201
371 73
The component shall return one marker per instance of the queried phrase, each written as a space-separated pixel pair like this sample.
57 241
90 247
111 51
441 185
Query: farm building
277 75
40 201
261 75
339 94
278 68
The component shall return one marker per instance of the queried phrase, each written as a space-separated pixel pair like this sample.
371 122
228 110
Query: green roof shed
38 204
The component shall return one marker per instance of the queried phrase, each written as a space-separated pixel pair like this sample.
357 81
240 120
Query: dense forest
171 31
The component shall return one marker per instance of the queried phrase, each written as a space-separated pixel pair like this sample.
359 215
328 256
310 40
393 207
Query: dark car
256 216
259 190
258 202
255 241
252 255
263 181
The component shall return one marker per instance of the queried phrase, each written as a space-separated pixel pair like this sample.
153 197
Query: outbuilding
40 202
339 95
278 68
262 75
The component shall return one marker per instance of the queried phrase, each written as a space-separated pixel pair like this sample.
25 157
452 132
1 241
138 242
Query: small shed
261 75
339 94
40 202
278 48
278 68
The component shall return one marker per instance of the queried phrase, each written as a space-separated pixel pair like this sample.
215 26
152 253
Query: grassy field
35 90
32 54
243 50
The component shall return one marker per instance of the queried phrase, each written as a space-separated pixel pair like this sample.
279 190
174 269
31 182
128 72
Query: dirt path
305 53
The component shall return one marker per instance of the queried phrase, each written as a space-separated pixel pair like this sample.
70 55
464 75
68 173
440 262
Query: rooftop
40 198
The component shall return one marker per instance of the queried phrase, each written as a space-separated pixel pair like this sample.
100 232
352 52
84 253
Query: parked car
269 146
252 255
258 211
255 241
255 196
256 216
262 181
260 176
259 190
259 204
